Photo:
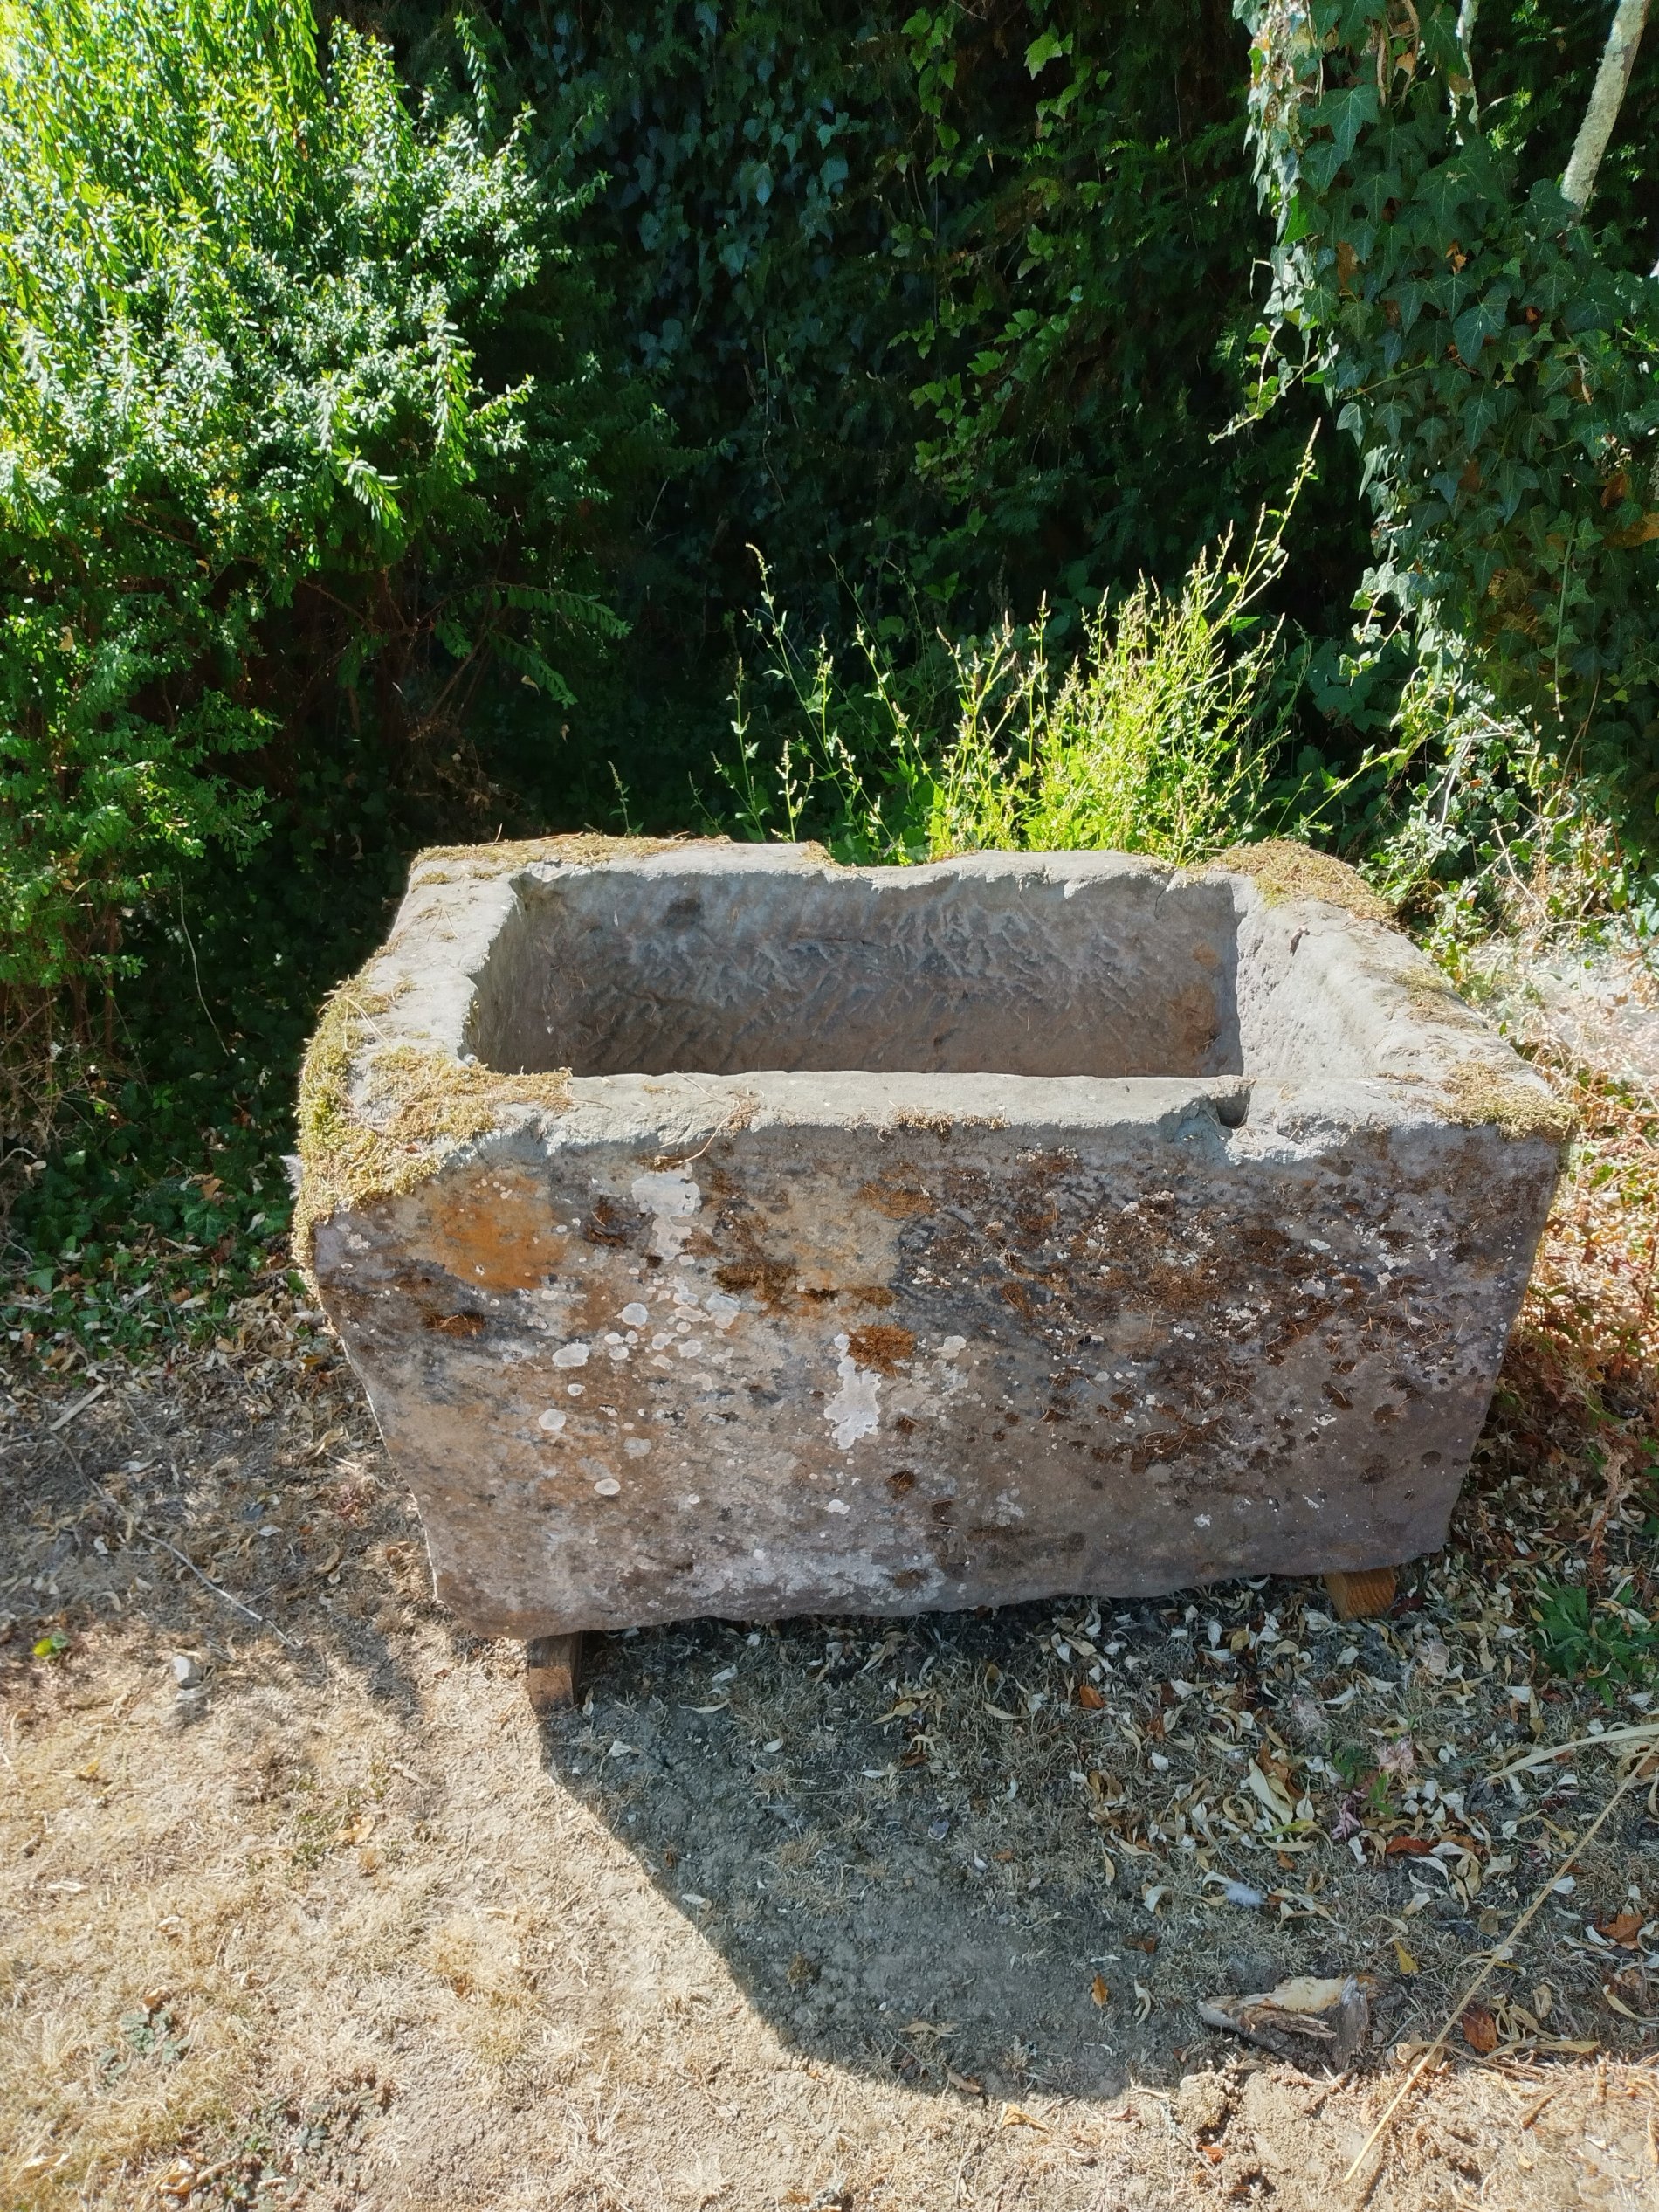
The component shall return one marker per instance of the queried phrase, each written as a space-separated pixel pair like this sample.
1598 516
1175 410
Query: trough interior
929 971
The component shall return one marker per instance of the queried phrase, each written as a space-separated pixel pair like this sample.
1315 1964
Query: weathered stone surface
904 1238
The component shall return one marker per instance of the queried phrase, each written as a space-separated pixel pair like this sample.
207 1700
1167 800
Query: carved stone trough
717 1230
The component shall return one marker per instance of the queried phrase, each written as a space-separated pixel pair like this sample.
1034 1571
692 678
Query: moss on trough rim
1482 1096
375 1122
1284 869
413 1108
578 849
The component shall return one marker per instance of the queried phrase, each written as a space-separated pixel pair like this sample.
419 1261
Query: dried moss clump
414 1107
584 849
1431 1000
1481 1095
1284 869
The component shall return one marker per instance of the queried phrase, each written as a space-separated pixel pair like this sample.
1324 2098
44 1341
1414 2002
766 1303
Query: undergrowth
1160 734
1605 1640
1169 732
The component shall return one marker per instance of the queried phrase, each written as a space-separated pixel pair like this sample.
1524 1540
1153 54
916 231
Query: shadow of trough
919 1854
1017 1848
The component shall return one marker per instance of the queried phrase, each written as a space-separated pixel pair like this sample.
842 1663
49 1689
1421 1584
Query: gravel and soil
306 1909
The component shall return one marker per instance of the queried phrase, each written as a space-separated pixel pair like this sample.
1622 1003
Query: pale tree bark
1466 16
1618 60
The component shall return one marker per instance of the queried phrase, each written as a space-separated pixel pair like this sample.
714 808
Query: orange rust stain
882 1346
595 1308
774 1280
494 1231
454 1323
897 1201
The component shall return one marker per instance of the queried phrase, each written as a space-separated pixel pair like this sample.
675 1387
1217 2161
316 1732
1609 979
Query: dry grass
1592 1309
1285 868
870 1915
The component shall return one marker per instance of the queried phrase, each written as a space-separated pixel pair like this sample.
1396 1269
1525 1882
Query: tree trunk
1466 16
1618 60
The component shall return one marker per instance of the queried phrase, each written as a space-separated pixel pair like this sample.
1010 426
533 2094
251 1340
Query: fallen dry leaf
1480 2030
1625 1929
1090 1698
1619 2005
1099 1990
1302 2016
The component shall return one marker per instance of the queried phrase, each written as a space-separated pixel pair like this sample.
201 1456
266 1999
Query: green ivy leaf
1046 47
1345 115
1477 324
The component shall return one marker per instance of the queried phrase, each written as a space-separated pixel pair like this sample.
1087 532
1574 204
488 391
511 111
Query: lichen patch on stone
881 1345
1282 869
853 1412
671 1200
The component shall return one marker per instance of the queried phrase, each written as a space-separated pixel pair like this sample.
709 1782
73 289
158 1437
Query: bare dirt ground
835 1914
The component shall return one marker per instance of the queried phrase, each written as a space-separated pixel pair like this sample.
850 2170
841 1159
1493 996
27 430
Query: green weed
1158 736
1354 1763
1606 1640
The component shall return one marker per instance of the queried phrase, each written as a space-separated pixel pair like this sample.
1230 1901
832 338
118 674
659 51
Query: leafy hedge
259 455
338 399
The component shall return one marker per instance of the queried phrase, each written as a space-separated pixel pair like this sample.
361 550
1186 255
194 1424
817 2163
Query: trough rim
390 1095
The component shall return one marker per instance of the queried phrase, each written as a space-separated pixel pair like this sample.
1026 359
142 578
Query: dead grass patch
1284 869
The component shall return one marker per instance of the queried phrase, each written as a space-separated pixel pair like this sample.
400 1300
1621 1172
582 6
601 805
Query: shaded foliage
263 457
1492 356
340 405
942 304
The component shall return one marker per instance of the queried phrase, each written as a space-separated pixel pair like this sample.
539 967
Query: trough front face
720 1230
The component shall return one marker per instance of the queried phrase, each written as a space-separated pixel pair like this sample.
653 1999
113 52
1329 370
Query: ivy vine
1492 354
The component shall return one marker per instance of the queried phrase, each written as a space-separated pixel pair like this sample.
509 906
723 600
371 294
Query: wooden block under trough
553 1672
1361 1596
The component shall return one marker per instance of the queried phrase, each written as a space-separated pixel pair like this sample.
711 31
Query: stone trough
717 1229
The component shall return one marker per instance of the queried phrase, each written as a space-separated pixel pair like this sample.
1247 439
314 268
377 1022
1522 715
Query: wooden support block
553 1672
1361 1596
